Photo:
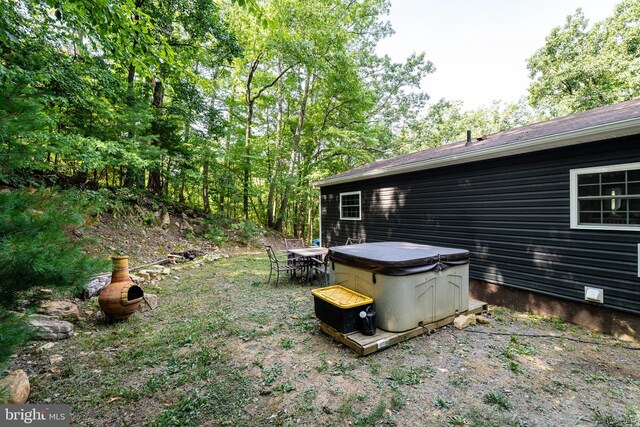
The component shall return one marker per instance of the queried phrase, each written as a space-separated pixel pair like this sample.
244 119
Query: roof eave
564 139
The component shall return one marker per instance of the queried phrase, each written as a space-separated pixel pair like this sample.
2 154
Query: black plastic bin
340 307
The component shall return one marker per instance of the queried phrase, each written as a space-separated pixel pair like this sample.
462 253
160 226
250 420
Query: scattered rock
165 222
149 302
63 309
150 273
46 346
143 275
463 321
166 271
95 286
17 385
49 328
55 358
483 320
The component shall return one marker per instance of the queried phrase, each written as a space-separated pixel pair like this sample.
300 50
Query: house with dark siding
549 212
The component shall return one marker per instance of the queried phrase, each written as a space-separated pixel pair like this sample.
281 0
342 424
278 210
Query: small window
350 205
606 198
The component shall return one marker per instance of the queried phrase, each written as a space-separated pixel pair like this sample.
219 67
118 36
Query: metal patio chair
321 269
278 266
291 258
294 243
354 240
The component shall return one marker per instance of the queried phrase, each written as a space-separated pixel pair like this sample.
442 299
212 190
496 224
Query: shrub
37 251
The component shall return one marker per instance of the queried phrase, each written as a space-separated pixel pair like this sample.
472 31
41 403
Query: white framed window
350 205
606 197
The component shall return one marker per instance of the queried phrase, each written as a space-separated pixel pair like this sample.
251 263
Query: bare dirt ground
226 348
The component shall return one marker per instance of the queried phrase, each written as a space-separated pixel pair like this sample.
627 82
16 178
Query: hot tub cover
398 258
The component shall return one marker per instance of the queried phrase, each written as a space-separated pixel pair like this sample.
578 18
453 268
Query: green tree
37 251
580 68
445 122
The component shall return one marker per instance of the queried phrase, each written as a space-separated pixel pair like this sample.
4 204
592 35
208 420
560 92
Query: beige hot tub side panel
404 302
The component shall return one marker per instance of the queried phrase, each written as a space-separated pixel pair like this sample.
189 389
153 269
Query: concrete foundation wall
624 326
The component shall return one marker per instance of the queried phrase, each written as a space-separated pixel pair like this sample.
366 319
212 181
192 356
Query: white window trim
573 196
359 193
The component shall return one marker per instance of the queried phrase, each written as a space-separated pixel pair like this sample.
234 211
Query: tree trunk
155 179
205 187
294 154
247 162
250 100
271 203
134 176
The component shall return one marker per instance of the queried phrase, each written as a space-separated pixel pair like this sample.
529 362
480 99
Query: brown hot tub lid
398 258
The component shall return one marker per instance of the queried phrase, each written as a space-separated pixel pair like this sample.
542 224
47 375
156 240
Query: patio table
306 254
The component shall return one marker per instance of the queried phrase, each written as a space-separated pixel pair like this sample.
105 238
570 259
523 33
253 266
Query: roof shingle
609 114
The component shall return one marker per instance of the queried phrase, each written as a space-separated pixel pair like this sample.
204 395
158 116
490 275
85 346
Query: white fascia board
564 139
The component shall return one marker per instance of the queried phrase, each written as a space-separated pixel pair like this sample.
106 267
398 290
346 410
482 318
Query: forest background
235 107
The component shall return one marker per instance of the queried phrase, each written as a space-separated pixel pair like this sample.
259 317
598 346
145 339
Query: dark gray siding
512 214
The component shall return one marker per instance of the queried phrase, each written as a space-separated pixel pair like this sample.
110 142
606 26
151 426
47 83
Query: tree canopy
234 107
582 67
231 107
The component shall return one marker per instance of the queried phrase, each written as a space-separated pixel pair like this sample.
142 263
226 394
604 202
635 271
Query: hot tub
411 284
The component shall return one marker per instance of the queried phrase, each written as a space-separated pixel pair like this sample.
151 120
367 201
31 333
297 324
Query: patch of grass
631 381
598 377
157 382
406 345
305 324
305 400
515 367
336 368
286 343
374 368
186 411
372 418
557 323
459 381
257 361
272 374
500 311
4 395
628 419
261 318
554 321
398 400
557 387
285 387
456 420
346 409
480 418
411 376
497 398
500 314
509 352
442 403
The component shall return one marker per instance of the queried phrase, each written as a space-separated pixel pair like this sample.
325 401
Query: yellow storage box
340 307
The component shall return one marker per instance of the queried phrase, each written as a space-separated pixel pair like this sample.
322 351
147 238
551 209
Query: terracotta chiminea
121 297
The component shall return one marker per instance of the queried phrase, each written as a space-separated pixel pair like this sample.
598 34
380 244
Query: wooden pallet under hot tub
367 344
